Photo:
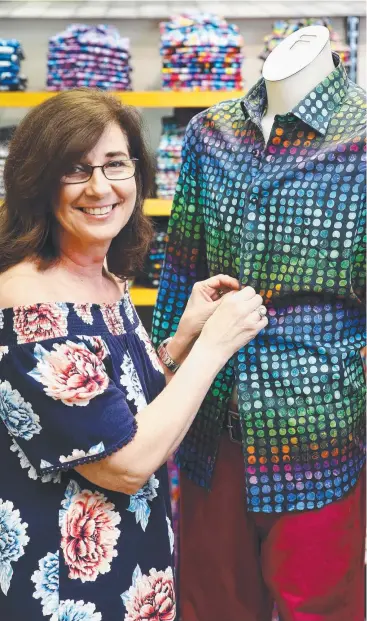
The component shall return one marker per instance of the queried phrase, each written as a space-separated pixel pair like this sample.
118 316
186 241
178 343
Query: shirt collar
316 109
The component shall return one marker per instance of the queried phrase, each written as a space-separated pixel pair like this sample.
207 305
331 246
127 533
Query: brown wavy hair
51 137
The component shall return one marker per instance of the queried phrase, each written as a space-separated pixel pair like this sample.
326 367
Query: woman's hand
205 298
237 320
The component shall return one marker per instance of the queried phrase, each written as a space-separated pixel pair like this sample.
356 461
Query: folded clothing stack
282 29
169 157
11 55
201 52
150 274
92 56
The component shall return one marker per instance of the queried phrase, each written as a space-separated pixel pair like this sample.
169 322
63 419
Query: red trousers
234 564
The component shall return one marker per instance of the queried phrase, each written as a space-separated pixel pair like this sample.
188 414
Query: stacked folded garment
201 52
93 56
169 158
282 29
150 274
11 55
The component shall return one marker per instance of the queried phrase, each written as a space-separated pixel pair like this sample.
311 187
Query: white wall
144 37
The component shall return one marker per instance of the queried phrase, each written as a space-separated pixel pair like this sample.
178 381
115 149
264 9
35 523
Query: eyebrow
114 153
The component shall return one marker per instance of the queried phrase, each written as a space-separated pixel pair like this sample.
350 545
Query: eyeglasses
116 170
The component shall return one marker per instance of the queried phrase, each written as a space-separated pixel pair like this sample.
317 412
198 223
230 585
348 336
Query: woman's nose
98 184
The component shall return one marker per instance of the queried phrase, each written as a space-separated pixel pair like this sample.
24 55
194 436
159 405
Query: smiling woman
86 419
49 163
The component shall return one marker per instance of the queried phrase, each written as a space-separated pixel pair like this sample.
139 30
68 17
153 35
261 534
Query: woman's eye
117 164
75 169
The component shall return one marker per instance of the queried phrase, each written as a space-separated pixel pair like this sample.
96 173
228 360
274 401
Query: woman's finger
258 314
222 281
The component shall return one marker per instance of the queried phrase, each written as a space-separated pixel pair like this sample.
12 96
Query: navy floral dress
72 377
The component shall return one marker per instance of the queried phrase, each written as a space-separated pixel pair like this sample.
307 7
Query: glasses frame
92 168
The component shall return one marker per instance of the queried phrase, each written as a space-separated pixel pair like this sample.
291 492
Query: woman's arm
164 422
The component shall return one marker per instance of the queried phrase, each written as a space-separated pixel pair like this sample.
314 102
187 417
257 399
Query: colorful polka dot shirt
287 218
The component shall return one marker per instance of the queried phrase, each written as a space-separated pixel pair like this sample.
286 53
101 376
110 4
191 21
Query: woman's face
95 211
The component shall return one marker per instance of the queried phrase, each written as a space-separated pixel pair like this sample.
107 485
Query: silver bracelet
165 357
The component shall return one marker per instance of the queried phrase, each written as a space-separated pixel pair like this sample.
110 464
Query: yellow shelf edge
152 207
140 99
142 296
157 207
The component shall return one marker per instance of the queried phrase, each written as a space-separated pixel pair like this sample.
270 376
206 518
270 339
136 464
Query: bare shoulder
19 285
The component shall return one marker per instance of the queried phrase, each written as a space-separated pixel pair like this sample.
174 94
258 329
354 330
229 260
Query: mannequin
293 68
291 71
286 218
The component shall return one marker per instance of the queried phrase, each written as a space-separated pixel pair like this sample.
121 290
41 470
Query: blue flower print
4 349
46 579
139 501
128 309
13 539
32 473
70 610
171 535
17 414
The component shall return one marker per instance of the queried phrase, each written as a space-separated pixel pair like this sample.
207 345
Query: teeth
98 211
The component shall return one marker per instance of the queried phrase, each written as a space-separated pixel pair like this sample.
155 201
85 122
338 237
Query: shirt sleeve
185 260
59 404
358 260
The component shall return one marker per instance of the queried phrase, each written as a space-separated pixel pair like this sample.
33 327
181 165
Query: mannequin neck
284 95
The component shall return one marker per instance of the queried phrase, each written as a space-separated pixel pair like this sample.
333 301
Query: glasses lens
119 169
78 174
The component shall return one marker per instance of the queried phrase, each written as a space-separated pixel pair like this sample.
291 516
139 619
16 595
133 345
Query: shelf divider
143 296
142 99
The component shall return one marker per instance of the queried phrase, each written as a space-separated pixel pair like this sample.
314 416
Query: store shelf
152 207
143 297
157 207
142 99
158 9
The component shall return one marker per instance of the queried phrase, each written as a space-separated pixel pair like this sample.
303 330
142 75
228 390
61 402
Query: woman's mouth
98 211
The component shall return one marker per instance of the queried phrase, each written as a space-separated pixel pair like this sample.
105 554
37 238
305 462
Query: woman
88 423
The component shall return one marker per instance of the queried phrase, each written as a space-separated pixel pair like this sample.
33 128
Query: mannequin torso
293 69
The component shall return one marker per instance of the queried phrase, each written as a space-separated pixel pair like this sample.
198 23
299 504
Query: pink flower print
84 311
71 372
89 535
150 597
112 318
98 346
40 321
